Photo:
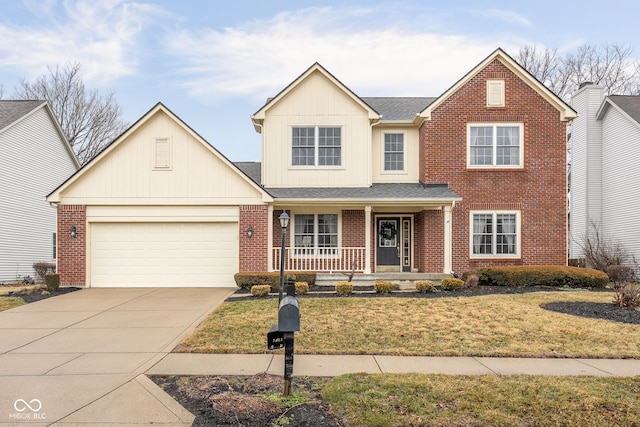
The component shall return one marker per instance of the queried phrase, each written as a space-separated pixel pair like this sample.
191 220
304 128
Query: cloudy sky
214 63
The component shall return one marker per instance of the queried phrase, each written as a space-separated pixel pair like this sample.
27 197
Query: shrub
260 290
471 281
619 274
543 275
52 281
246 280
344 288
627 295
302 288
425 286
383 286
452 284
43 268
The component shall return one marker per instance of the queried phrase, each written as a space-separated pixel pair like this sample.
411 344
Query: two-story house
605 151
471 178
35 157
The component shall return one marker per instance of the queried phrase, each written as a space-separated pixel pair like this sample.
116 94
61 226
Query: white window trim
495 125
316 148
315 213
402 171
518 253
169 154
493 83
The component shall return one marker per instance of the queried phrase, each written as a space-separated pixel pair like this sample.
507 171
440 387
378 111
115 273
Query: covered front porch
389 235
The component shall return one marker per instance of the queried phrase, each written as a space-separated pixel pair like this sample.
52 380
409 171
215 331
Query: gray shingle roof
398 108
383 191
11 110
252 169
630 104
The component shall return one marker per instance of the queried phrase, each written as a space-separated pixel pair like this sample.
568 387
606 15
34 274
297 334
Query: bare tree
609 65
602 251
89 120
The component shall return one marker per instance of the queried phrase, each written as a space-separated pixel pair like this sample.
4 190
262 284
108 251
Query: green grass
440 400
7 303
492 325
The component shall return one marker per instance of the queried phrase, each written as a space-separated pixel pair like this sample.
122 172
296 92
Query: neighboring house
471 178
605 152
35 157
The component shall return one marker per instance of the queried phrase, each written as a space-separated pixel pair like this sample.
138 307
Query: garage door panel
164 254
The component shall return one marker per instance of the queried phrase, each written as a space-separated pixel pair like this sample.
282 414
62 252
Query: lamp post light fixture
73 232
284 223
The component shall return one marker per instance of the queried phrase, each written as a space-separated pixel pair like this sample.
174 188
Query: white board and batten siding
621 179
317 101
33 162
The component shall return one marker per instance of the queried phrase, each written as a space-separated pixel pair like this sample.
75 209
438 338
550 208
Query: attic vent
495 93
162 153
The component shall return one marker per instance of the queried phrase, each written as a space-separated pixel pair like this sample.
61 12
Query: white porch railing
321 259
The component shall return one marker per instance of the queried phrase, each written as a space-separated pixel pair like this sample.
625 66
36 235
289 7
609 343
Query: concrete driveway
78 359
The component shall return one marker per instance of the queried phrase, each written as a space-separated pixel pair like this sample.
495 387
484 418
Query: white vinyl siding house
34 159
604 173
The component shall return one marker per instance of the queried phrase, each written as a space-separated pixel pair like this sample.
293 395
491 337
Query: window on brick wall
316 146
495 234
491 145
315 234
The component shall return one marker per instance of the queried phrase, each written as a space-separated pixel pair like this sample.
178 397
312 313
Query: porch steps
403 280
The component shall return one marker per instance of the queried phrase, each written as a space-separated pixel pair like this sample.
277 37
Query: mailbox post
282 334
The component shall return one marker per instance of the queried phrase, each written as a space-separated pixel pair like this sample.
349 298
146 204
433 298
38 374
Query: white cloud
100 35
507 16
261 57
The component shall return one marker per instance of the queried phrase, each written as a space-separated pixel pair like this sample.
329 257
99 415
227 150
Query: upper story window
495 93
316 146
495 145
393 151
495 234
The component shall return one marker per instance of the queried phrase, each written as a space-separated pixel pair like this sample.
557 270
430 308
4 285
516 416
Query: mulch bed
39 293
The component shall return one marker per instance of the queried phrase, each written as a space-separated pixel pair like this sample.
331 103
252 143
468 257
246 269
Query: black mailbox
275 338
289 314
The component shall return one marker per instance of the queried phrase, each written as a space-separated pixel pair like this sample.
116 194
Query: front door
393 241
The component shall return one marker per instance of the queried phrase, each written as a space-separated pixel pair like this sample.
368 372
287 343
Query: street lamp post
284 223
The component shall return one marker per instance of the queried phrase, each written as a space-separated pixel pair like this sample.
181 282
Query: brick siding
72 251
254 250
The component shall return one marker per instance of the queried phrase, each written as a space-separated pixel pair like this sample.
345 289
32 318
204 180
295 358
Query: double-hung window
393 151
315 234
495 234
495 145
316 146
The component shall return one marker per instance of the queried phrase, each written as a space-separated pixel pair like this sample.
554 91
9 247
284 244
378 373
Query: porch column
270 238
367 240
448 240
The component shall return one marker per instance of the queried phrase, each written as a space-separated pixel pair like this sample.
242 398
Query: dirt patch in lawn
250 400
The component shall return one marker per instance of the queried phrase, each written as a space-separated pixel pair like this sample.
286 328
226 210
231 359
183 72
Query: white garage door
163 254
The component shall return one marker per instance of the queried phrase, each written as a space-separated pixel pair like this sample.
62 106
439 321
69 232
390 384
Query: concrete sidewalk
331 366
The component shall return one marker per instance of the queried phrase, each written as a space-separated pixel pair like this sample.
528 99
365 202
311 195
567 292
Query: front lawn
440 400
492 325
10 302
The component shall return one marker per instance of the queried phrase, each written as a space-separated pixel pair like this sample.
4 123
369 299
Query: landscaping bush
344 288
383 286
543 275
627 295
425 286
452 284
302 288
43 268
260 290
248 279
471 281
52 281
620 274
